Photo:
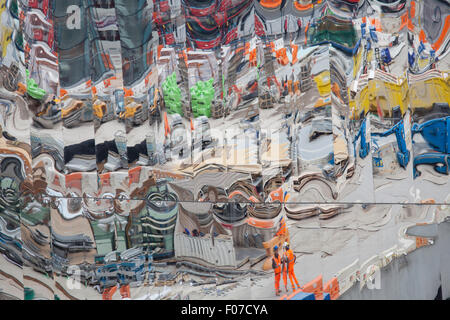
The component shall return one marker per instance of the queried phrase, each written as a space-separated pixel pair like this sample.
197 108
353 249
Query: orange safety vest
282 229
284 262
277 269
290 257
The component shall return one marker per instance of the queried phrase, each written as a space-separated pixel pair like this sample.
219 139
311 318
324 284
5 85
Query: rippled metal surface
161 149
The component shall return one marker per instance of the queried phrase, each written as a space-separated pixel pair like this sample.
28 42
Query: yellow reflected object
423 94
323 83
99 109
380 97
6 38
357 61
2 6
74 107
130 111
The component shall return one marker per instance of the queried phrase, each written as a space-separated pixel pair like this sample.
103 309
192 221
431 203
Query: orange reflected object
105 179
166 125
422 36
282 57
125 291
252 58
108 293
259 223
336 90
22 88
73 180
443 34
289 85
128 92
332 287
277 194
159 50
294 53
297 87
404 20
134 174
302 7
270 3
315 286
282 229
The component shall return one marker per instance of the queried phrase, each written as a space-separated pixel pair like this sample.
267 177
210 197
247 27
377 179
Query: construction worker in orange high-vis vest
290 258
276 266
284 270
